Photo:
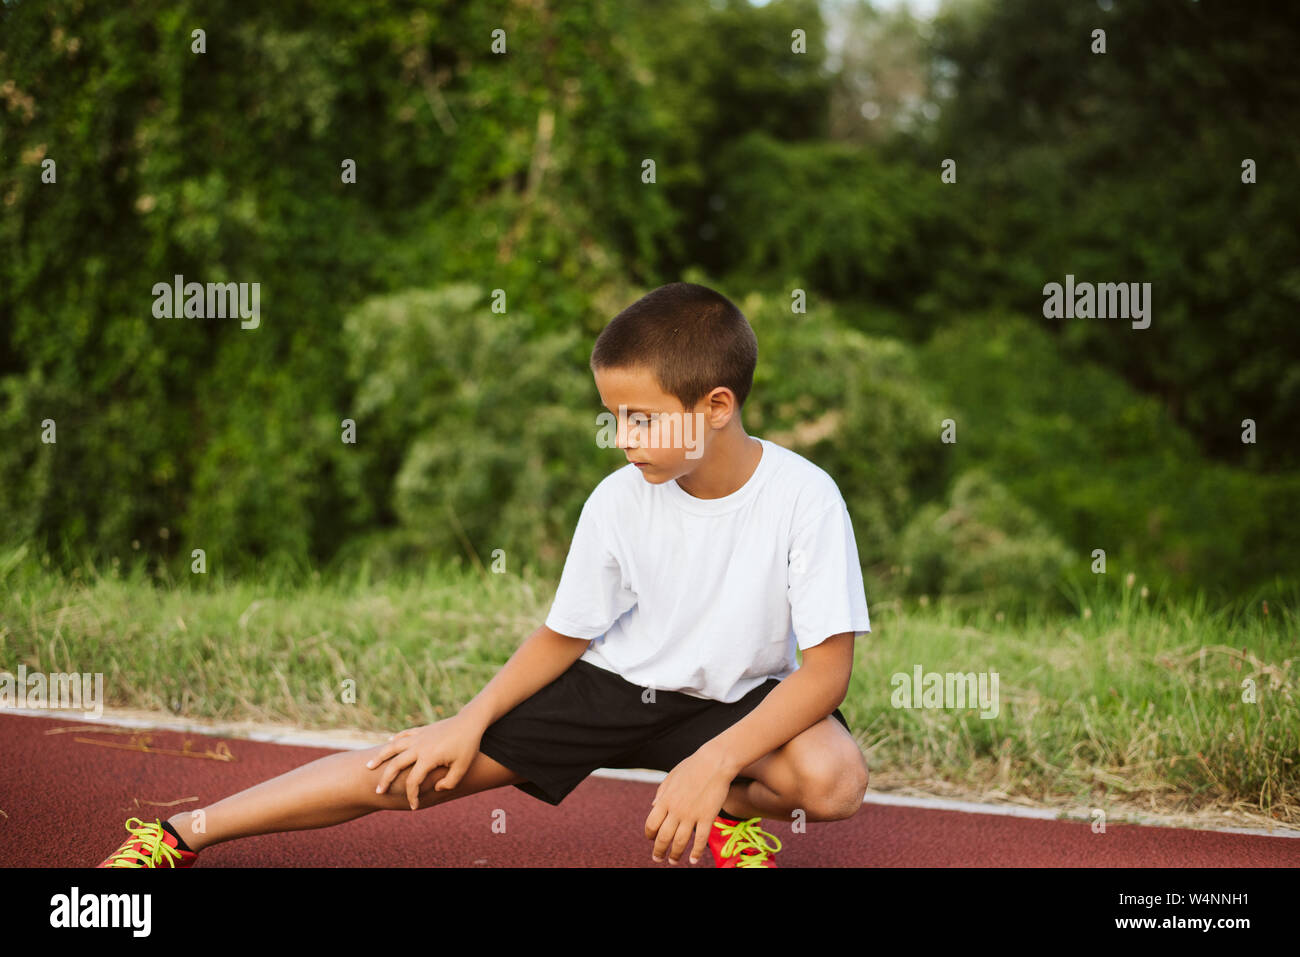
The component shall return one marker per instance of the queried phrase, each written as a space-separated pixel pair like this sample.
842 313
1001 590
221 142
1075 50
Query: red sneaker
149 846
741 843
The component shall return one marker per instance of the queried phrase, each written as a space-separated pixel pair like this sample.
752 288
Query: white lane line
972 807
305 739
362 739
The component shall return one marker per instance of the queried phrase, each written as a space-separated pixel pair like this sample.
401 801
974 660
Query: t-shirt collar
715 506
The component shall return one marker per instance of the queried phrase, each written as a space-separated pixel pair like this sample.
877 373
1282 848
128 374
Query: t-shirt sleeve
592 593
826 593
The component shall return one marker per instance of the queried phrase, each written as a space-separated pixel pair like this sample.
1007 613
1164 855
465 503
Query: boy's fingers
395 766
666 833
655 820
413 784
680 840
455 771
702 830
387 752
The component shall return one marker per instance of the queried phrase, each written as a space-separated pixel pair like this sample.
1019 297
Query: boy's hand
689 798
451 743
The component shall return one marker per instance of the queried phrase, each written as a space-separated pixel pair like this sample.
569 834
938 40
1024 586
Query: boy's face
654 430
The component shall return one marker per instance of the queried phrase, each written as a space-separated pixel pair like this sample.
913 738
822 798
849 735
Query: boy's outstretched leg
327 791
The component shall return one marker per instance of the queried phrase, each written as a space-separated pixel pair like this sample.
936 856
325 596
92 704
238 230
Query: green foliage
849 224
492 427
1106 466
985 544
1127 166
519 169
717 73
521 172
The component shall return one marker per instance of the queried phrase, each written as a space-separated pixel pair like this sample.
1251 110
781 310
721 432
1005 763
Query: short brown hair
690 337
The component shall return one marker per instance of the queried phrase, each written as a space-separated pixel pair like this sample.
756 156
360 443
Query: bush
982 541
481 429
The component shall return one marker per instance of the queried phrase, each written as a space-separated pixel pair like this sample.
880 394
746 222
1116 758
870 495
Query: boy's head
680 361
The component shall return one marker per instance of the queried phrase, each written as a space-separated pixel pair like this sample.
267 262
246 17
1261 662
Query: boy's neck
726 467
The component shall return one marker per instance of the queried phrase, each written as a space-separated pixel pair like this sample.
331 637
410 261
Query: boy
694 572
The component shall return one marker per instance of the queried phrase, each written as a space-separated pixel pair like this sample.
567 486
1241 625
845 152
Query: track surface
65 802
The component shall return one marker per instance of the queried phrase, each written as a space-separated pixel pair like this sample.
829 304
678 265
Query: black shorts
591 718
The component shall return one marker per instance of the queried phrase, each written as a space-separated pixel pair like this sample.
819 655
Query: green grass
1134 698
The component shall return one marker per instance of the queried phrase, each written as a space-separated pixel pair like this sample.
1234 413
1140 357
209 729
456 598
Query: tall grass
1131 696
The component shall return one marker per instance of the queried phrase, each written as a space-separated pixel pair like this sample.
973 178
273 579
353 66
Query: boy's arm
797 703
542 658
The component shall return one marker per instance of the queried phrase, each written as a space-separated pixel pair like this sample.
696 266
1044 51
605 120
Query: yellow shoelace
746 835
151 836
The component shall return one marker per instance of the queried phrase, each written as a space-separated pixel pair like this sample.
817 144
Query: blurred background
775 171
353 513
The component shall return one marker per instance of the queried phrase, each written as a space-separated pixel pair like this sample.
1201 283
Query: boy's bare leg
324 792
815 772
748 798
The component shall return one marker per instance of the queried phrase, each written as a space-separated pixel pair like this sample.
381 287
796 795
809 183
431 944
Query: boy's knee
838 794
859 777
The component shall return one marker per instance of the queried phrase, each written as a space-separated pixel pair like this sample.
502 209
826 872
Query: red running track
65 802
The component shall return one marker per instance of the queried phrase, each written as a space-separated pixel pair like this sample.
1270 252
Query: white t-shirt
709 597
